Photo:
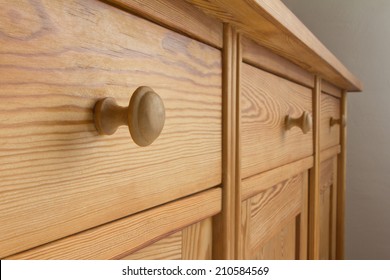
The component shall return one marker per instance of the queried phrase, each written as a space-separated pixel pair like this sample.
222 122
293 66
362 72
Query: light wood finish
168 248
328 211
330 109
341 182
265 102
177 15
255 184
145 116
328 88
329 153
277 212
304 122
223 234
341 121
56 173
263 58
272 25
120 238
314 194
192 243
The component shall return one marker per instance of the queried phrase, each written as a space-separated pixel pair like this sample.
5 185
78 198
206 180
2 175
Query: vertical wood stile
341 184
224 223
314 192
237 242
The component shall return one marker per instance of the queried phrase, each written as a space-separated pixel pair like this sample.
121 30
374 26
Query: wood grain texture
57 173
282 246
258 183
272 25
327 206
198 241
330 108
330 89
223 233
168 248
263 58
330 153
266 100
177 15
266 215
120 238
341 182
314 195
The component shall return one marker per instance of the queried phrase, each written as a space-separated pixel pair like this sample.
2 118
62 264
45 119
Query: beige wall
358 33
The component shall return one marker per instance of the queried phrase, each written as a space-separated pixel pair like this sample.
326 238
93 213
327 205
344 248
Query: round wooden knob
145 116
304 122
342 121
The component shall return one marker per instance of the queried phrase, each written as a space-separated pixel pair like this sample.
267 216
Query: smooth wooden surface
223 233
266 100
330 108
168 248
272 25
327 208
57 173
192 243
304 122
125 236
341 183
278 212
258 183
263 58
314 195
177 15
329 153
328 88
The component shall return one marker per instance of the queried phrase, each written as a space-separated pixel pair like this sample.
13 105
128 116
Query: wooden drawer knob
304 122
145 116
342 121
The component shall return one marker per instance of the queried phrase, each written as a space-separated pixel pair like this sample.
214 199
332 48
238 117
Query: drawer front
179 229
58 176
329 134
266 100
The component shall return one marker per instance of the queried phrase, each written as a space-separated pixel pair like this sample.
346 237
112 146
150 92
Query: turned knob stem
145 116
304 122
342 121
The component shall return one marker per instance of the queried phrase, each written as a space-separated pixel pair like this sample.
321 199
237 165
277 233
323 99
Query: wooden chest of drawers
249 162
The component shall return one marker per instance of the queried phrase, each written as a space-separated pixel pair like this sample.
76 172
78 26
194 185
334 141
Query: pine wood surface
265 216
330 89
273 25
330 108
177 15
58 176
266 100
263 58
120 238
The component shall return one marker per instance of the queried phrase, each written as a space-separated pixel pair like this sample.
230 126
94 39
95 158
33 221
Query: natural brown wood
329 153
272 25
314 195
192 243
330 109
197 241
328 88
265 102
145 116
341 182
223 233
327 208
177 15
304 122
258 183
57 173
263 58
266 215
122 237
168 248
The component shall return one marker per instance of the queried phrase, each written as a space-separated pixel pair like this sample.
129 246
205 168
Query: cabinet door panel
274 221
